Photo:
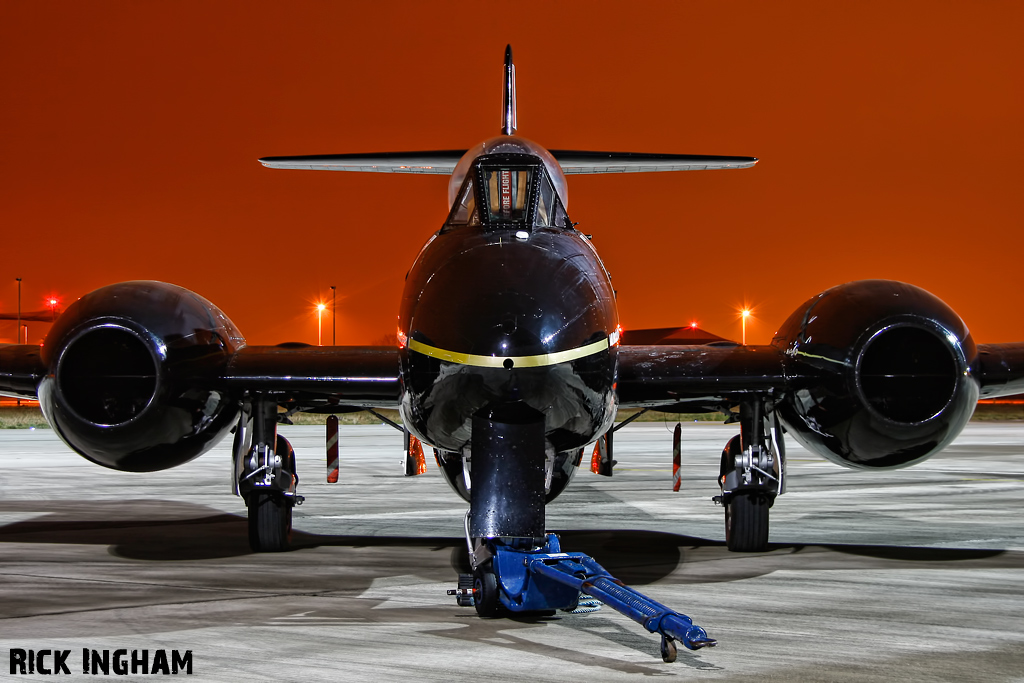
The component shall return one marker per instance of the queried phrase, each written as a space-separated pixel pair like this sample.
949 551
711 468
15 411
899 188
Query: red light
402 339
693 325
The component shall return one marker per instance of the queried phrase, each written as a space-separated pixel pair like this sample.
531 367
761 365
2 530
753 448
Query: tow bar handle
533 579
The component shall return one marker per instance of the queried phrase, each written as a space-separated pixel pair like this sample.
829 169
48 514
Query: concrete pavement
915 574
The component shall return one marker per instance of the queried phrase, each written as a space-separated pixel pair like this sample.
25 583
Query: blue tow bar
546 579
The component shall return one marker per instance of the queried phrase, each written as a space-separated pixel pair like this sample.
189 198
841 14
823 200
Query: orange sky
889 135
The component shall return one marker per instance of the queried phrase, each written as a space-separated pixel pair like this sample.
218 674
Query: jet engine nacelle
132 381
894 381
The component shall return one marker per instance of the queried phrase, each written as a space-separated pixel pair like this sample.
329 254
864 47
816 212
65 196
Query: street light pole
334 316
18 335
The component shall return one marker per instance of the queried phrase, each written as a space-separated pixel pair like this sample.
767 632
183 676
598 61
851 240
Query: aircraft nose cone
525 300
530 328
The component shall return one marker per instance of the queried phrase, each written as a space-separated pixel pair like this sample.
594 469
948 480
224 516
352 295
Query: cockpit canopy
508 190
507 144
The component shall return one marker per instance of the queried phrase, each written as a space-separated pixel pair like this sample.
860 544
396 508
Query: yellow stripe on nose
516 361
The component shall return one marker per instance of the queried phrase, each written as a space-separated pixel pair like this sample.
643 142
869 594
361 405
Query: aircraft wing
663 376
21 369
47 316
319 376
437 162
310 376
1000 369
707 375
576 163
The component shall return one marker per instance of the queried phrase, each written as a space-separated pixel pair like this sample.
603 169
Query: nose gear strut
545 579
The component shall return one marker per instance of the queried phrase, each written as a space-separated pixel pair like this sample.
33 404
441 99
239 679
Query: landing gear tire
746 522
485 593
270 522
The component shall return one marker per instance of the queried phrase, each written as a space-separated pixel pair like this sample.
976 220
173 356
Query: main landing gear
265 476
752 474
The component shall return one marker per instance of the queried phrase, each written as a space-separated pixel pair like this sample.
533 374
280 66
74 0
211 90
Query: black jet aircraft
509 363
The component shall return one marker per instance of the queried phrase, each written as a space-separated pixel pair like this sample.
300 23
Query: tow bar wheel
485 593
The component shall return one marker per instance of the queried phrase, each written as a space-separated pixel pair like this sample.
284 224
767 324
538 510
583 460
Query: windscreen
508 193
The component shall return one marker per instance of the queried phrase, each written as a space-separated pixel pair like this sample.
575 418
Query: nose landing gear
520 569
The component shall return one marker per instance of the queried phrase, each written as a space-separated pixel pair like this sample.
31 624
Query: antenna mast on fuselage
508 110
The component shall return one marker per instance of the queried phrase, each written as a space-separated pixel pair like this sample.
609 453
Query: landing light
615 337
522 234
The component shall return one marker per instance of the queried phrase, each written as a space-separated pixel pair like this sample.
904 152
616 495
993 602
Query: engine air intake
907 374
107 376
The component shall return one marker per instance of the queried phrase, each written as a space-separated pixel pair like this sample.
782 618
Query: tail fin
508 112
570 161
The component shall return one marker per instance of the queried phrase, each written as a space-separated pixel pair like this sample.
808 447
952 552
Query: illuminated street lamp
320 324
745 313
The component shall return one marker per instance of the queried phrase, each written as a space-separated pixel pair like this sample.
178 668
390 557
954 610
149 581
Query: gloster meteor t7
509 363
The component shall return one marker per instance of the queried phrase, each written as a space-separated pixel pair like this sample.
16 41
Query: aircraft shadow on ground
170 531
167 535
